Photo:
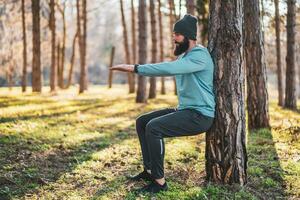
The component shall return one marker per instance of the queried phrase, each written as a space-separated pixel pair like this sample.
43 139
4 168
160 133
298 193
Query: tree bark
141 91
152 89
110 76
172 21
290 89
24 70
161 45
82 44
202 20
58 54
36 47
226 157
133 31
62 60
126 46
257 94
53 49
190 7
278 56
72 61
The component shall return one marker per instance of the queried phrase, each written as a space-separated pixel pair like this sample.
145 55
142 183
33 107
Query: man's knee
152 128
141 121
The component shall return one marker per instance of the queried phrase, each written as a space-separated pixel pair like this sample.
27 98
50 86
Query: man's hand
123 68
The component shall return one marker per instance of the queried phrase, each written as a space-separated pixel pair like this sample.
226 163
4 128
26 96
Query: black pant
152 127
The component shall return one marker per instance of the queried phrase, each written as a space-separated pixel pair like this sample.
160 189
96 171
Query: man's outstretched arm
194 61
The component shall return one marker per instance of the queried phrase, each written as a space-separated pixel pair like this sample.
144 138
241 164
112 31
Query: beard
181 47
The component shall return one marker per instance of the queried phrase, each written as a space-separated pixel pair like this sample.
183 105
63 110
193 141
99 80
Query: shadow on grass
33 171
83 106
265 175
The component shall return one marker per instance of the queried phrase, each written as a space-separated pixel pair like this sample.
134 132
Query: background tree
290 89
226 157
126 47
53 49
133 37
63 45
36 47
24 71
257 95
141 91
152 89
72 59
278 56
190 7
172 17
201 7
82 44
161 46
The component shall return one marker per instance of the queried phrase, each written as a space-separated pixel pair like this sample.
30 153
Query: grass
69 146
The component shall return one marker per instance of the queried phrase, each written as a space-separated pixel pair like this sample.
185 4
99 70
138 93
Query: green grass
70 146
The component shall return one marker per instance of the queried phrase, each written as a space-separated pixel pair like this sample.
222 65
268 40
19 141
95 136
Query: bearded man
193 70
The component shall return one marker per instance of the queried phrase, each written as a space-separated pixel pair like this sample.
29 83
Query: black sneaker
154 187
143 175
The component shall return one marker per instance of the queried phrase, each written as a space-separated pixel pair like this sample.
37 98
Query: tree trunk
110 76
226 157
36 47
133 31
152 89
58 54
62 60
290 89
257 95
202 20
24 70
172 21
190 7
53 49
72 61
278 53
141 90
161 46
126 46
82 45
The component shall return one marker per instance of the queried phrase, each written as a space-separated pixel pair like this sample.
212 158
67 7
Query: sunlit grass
70 146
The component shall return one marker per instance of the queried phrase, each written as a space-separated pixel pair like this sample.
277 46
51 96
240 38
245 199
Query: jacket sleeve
194 61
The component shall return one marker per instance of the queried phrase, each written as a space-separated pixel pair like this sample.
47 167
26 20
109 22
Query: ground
69 146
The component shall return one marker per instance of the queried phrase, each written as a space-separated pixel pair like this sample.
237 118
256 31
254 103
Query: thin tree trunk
110 76
141 96
152 89
161 45
72 60
84 66
36 47
126 46
53 49
290 89
190 7
257 94
62 60
172 16
58 54
226 157
278 53
24 70
202 20
133 31
82 45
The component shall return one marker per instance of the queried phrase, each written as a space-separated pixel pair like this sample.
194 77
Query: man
193 71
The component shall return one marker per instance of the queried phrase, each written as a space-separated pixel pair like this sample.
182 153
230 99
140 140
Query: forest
69 120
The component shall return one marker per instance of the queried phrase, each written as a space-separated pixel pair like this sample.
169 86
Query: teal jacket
194 79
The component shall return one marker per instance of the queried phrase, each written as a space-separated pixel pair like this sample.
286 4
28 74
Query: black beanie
187 26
